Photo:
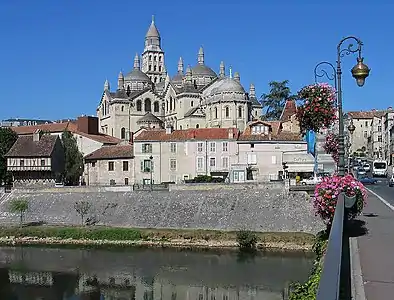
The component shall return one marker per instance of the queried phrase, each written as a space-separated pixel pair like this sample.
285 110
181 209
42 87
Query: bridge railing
335 260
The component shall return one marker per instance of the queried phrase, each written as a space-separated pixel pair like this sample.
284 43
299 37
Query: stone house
36 159
84 129
264 146
177 155
288 117
110 165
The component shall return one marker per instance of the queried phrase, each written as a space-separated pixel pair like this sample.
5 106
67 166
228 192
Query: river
34 273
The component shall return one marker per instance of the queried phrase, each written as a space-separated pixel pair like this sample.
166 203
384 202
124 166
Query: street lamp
320 72
151 172
360 72
351 128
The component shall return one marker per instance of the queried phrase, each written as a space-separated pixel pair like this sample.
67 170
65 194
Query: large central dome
203 70
227 85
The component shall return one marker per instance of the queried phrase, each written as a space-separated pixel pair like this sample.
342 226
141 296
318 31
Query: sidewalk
376 251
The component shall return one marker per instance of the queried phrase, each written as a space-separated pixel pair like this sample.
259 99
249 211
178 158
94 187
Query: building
110 165
36 159
197 97
388 122
84 129
23 122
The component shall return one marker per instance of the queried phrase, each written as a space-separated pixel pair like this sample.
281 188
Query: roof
26 147
276 133
203 70
149 118
289 110
152 31
188 134
111 152
366 114
60 127
227 85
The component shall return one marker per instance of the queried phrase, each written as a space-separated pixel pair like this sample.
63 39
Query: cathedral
197 97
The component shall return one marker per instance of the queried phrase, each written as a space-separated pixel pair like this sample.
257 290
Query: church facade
195 97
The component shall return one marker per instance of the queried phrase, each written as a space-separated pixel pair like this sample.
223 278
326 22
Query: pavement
372 253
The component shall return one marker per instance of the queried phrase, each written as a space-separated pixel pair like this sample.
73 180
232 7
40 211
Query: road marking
381 199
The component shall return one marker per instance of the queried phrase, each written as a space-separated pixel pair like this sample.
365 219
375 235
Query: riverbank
128 237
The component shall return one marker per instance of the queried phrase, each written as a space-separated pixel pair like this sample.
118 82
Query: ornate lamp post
320 72
360 72
351 128
151 172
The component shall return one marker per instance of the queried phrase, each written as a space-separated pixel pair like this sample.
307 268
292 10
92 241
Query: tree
7 138
73 168
82 208
274 102
19 206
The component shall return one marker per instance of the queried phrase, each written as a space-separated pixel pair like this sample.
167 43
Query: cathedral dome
178 78
137 75
203 70
227 85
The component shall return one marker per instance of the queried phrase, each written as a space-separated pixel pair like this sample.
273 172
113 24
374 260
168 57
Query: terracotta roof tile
26 147
366 114
111 152
188 134
289 110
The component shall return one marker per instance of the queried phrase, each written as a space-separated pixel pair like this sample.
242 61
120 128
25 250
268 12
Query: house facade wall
109 172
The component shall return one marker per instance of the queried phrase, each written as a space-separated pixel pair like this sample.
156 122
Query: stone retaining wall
244 207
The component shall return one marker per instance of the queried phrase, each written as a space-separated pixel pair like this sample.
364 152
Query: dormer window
260 129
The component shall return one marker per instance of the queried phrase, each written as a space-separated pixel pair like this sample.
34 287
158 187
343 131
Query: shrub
246 239
19 206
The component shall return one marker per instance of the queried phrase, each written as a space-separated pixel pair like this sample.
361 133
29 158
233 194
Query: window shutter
142 166
152 165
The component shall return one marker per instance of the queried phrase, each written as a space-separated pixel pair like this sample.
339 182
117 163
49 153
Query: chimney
230 133
87 124
37 135
390 108
169 129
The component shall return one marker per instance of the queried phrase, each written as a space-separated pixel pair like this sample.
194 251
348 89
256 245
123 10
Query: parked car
361 171
391 181
367 180
311 180
367 167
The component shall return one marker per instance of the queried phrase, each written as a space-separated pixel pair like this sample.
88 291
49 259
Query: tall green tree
73 159
274 102
7 138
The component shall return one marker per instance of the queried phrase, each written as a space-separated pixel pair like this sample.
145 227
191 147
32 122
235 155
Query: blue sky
56 55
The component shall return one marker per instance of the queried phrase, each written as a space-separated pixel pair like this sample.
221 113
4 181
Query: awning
292 168
299 162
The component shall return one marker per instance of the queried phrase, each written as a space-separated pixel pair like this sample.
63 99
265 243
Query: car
361 171
391 181
311 180
367 167
367 180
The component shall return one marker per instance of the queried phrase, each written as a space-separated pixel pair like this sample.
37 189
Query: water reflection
31 273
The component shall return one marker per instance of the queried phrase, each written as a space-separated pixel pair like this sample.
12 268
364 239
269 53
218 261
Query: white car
311 180
367 167
361 171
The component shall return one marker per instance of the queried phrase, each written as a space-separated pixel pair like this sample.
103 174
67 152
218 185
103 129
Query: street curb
357 282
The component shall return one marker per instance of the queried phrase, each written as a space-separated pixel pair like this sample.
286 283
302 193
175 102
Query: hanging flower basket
331 146
318 109
327 192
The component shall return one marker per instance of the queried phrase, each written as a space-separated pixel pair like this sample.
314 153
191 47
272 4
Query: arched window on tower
154 68
239 111
170 103
166 105
227 112
197 125
210 113
148 105
123 133
150 68
139 105
216 112
122 108
156 106
150 57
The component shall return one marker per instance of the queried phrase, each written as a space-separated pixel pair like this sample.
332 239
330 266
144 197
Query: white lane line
381 199
357 282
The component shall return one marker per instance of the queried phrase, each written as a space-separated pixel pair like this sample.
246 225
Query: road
383 190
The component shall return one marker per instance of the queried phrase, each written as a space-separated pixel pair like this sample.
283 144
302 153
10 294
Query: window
22 163
150 68
191 103
150 57
273 159
160 69
200 147
365 134
224 146
379 139
125 166
240 112
146 165
93 164
212 147
172 164
146 148
225 162
173 147
110 166
379 128
126 181
155 69
252 159
156 106
147 105
200 163
155 58
123 133
170 103
216 112
212 162
197 125
42 162
227 112
122 108
139 105
366 123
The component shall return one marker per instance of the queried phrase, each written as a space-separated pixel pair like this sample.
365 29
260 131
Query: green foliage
73 159
204 179
83 208
77 233
19 206
7 138
308 290
246 239
274 102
